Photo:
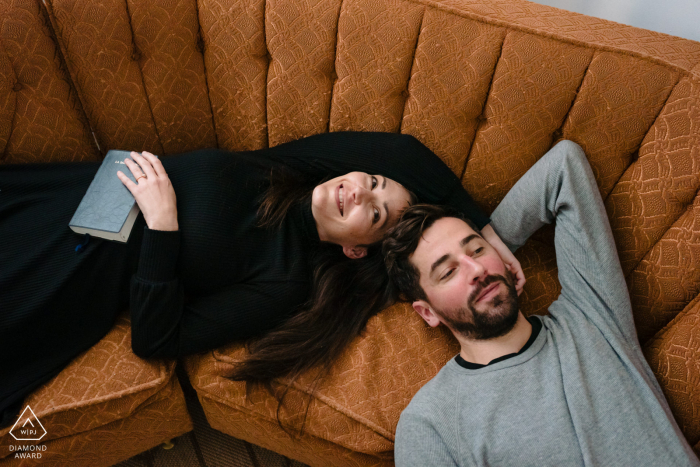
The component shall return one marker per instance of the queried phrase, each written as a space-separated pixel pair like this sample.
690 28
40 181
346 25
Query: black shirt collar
307 221
536 328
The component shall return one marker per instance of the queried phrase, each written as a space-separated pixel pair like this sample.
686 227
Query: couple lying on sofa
251 236
229 246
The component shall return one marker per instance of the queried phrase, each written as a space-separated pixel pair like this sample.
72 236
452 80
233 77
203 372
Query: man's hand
506 255
153 191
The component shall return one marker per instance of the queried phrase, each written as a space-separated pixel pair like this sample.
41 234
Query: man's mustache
484 284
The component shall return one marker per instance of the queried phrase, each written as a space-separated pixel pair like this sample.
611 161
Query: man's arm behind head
561 187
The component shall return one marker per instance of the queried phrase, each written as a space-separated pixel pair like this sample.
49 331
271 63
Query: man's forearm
526 207
561 186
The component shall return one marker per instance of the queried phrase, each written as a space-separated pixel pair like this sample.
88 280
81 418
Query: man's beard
494 321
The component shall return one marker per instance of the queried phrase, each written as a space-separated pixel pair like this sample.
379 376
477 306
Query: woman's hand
153 191
506 255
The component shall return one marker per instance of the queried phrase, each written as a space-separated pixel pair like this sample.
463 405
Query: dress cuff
160 250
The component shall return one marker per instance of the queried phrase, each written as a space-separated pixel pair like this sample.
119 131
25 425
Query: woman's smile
339 196
356 208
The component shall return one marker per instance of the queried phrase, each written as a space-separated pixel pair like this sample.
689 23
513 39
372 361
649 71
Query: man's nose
475 270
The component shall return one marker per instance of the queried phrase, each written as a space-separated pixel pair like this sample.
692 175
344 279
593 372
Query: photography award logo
28 428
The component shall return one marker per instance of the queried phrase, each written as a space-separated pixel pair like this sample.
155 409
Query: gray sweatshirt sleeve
561 185
418 444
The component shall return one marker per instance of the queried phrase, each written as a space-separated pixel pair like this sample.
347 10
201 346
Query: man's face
467 284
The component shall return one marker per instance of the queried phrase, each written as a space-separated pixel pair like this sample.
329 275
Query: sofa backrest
489 85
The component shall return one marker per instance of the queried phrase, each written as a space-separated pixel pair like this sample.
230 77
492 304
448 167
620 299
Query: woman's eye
479 250
374 182
376 216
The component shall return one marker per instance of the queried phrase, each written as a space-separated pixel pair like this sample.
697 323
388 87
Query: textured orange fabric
657 188
616 105
166 46
490 95
532 89
8 99
160 418
444 108
578 29
107 389
540 268
358 404
97 43
236 60
668 277
302 71
674 355
489 85
307 449
40 118
376 43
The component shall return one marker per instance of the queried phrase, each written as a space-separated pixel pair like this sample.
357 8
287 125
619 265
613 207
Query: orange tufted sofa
489 85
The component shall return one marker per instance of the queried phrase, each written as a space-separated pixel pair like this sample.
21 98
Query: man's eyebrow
437 263
468 239
386 213
443 258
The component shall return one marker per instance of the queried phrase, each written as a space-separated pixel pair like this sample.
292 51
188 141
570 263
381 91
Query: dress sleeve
166 325
400 157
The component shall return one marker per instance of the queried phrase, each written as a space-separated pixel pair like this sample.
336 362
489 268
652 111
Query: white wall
675 17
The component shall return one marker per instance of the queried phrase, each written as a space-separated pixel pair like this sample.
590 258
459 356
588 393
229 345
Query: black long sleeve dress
218 279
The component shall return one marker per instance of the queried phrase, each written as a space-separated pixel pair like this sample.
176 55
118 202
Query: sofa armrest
104 384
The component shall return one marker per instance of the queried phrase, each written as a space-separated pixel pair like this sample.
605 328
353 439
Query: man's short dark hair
402 240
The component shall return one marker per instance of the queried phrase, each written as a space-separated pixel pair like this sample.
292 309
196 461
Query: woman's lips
490 290
338 199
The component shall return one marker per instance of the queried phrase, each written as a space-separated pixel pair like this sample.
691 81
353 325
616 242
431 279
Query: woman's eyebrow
384 183
386 212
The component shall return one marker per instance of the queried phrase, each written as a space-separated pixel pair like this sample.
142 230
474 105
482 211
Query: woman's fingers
135 169
155 195
126 181
155 163
144 164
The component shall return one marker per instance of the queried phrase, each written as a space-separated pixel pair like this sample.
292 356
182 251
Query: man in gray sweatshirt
571 388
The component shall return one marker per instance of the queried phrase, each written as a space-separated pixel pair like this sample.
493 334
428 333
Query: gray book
108 209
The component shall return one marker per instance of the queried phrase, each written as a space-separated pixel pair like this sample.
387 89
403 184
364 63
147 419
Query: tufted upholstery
488 85
106 406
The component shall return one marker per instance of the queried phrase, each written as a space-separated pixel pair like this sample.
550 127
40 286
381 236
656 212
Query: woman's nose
358 194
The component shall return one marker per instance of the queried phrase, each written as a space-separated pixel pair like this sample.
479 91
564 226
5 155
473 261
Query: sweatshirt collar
515 359
536 328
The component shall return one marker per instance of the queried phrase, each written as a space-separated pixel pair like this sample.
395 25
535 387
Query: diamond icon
28 427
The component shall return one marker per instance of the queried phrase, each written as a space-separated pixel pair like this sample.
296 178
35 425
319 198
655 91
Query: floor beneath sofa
206 447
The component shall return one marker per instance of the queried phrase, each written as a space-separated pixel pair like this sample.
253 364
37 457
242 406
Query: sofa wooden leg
167 444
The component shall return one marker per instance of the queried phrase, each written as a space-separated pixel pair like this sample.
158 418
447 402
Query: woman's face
357 209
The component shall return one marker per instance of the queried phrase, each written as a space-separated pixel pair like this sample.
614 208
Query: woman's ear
355 252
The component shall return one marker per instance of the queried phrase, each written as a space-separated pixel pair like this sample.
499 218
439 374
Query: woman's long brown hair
345 294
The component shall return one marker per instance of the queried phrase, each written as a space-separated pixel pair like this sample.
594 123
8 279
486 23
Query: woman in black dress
200 268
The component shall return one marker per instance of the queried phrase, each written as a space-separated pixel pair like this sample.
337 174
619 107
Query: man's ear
355 252
426 312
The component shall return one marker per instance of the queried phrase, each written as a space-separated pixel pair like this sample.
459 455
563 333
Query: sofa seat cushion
103 385
342 411
356 407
